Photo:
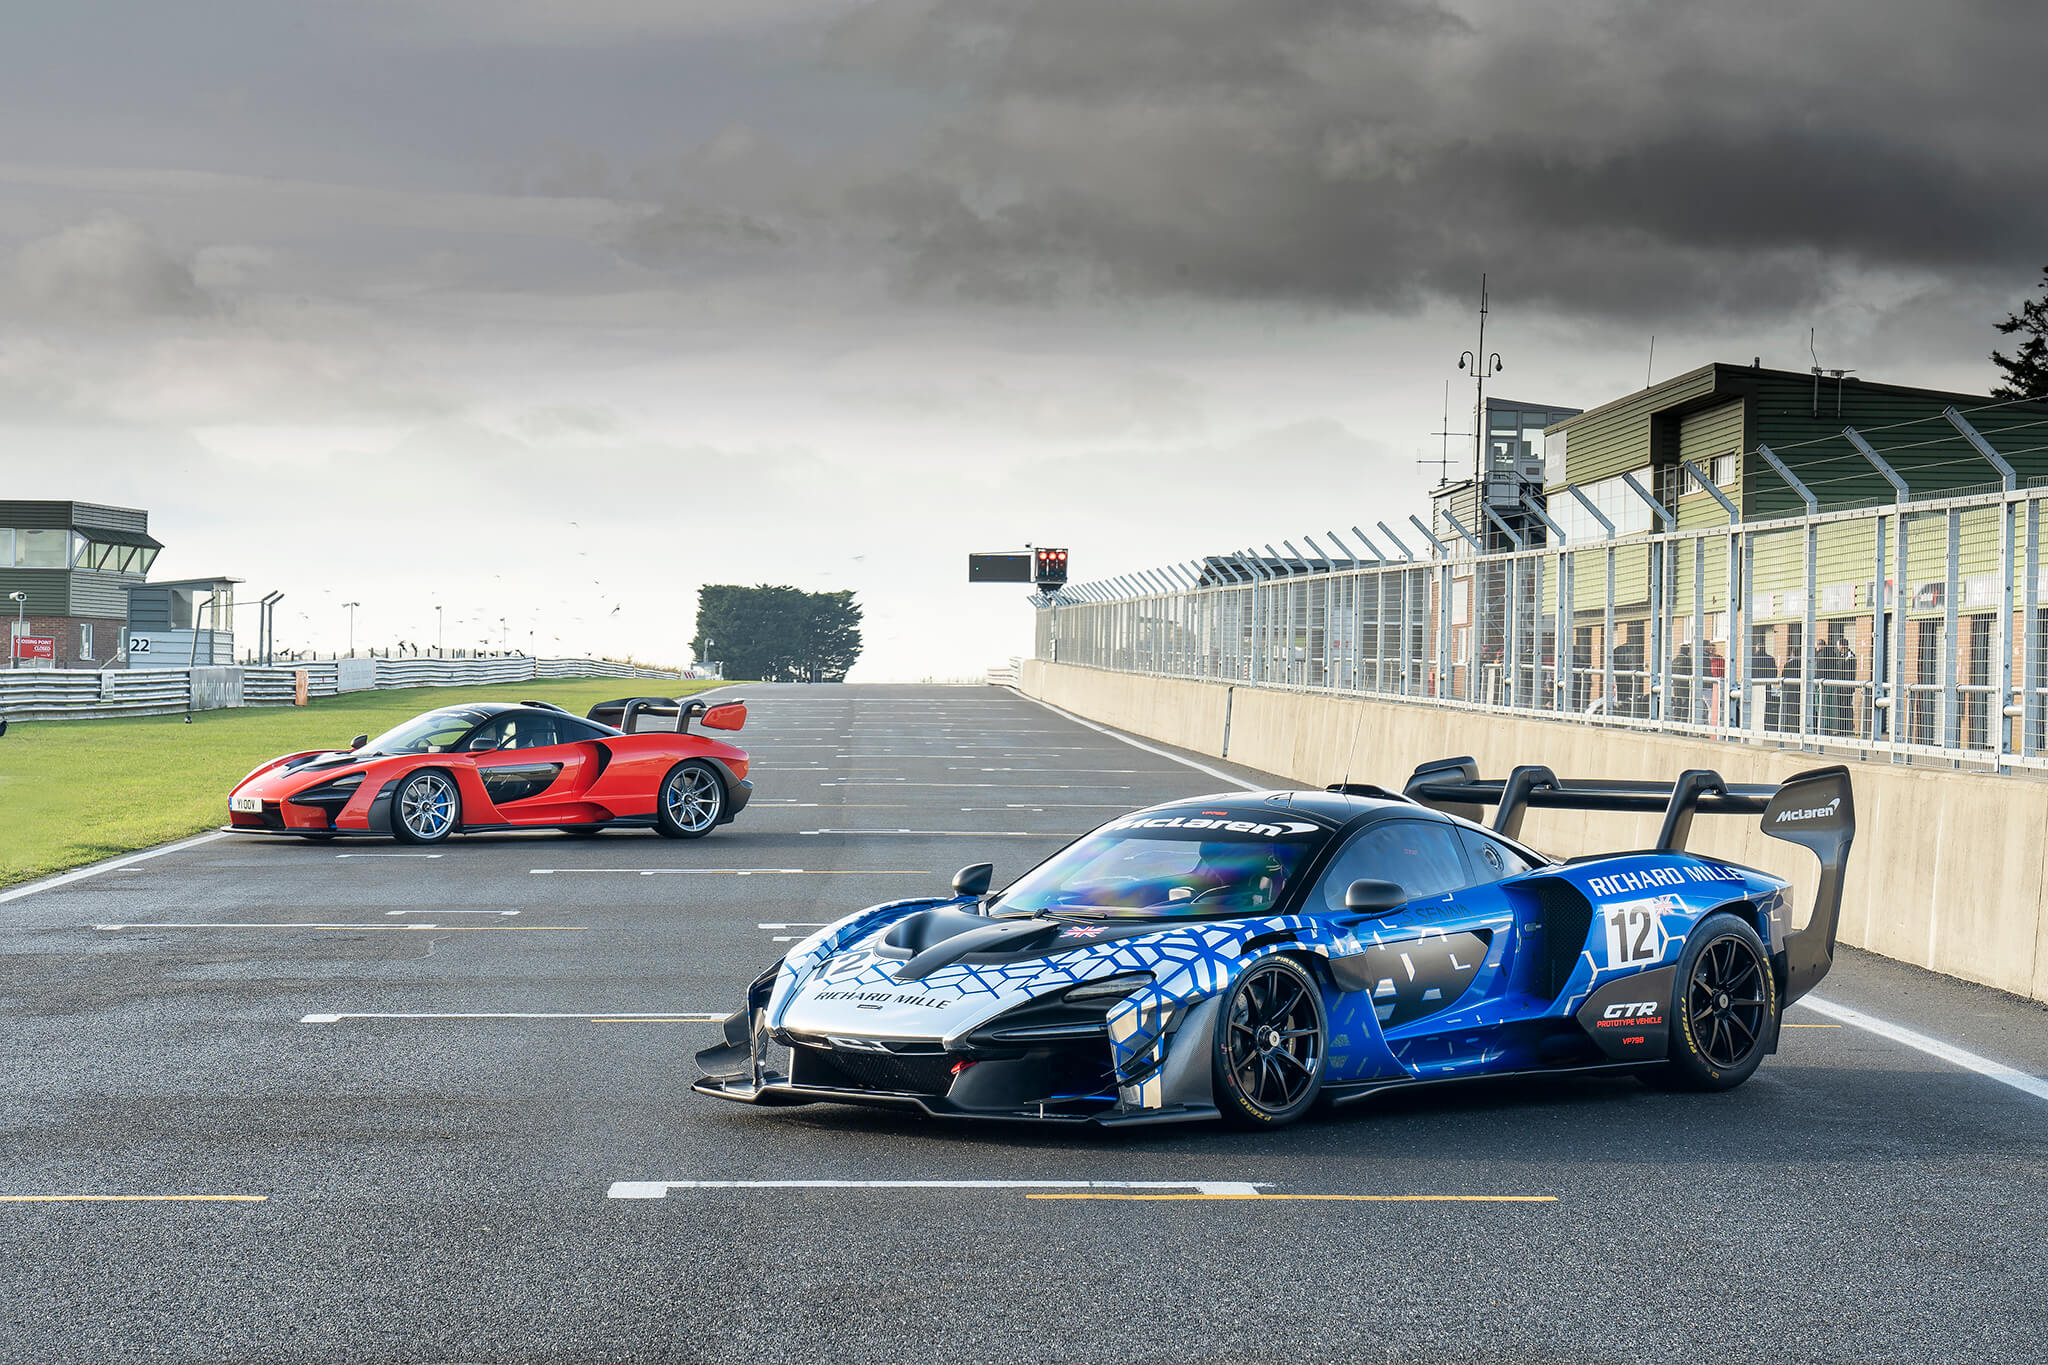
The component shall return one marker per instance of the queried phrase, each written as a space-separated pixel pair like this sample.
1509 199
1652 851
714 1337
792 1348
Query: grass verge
76 791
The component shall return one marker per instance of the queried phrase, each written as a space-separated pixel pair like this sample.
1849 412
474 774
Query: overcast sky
551 311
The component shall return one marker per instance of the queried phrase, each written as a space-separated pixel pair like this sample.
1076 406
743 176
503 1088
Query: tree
778 633
2026 371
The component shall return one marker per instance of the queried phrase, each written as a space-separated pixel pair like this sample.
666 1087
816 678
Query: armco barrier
1949 871
67 694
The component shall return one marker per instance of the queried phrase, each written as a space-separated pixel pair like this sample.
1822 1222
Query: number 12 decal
1635 933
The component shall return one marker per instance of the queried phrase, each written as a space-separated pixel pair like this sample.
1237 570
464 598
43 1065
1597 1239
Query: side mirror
731 716
482 744
973 879
1369 896
358 742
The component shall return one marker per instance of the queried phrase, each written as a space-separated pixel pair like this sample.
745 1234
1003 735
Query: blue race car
1244 956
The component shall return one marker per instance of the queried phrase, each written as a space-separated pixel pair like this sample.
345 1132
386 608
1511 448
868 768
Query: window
520 730
1491 859
1721 469
1616 501
573 731
85 641
42 549
1420 856
6 547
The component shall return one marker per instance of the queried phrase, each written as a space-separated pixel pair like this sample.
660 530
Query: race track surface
420 1186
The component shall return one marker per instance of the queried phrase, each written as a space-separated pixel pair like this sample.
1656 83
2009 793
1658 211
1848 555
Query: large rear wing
1815 809
625 713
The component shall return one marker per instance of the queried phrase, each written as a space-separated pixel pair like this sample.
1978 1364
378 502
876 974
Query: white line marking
66 878
1933 1047
792 924
675 871
451 912
951 833
1122 738
388 855
658 1189
266 924
585 1014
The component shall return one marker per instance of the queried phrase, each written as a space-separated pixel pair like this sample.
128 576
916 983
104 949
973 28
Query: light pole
504 635
351 627
437 630
20 600
1483 367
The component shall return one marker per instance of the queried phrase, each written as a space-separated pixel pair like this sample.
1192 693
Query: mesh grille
1567 917
920 1074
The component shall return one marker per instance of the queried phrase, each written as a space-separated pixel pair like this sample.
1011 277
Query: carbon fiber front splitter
780 1092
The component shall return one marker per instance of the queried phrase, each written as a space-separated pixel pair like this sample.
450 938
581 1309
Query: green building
1716 416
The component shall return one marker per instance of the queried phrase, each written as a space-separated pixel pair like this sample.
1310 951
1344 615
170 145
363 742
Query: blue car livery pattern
1154 969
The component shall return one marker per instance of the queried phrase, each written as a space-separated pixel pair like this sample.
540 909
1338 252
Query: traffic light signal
1052 567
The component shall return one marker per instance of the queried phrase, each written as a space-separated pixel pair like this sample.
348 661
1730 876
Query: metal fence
73 694
1915 629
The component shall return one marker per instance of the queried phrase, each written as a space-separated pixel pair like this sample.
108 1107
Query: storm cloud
1612 157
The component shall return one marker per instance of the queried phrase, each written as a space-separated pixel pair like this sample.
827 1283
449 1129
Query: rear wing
625 713
1815 809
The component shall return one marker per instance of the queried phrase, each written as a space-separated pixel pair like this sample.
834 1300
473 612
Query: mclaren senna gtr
1249 955
504 765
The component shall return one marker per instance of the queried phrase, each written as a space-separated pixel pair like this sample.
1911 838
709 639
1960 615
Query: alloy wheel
693 799
1273 1038
426 806
1726 1002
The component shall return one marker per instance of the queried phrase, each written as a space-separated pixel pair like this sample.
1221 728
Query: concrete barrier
1949 872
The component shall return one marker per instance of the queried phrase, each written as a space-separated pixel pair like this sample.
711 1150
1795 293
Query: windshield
432 733
1189 865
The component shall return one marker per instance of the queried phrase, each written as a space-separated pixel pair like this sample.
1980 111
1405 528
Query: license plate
247 805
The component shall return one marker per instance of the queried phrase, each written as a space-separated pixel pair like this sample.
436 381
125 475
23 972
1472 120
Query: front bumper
1069 1079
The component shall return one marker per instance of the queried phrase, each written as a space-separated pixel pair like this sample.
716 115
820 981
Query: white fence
63 694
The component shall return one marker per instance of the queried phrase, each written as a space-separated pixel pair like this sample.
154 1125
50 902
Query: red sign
35 647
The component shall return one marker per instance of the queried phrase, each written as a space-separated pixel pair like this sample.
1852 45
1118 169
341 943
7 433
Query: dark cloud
107 267
1601 157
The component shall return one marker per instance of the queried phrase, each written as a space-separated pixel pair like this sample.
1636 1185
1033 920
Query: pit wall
1948 871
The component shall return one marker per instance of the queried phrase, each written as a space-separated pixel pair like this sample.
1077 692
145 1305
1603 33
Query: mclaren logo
1284 829
1811 813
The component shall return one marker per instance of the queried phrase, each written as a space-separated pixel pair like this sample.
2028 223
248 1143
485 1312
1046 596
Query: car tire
426 808
1724 1008
1272 1045
690 801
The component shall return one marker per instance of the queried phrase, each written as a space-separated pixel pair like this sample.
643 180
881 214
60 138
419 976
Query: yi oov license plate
247 805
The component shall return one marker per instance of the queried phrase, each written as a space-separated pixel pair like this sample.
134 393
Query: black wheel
426 808
583 831
1272 1045
1724 1008
691 801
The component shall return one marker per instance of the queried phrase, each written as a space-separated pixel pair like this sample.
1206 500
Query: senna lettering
884 998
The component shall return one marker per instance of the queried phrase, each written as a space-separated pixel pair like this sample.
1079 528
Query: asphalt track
416 1186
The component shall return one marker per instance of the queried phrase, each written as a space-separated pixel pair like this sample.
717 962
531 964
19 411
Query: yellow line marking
1812 1025
133 1198
676 1019
1324 1198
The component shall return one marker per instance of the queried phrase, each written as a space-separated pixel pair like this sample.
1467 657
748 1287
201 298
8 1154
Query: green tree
778 633
2026 370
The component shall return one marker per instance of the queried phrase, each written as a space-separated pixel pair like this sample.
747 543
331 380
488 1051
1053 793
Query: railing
64 694
1792 631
